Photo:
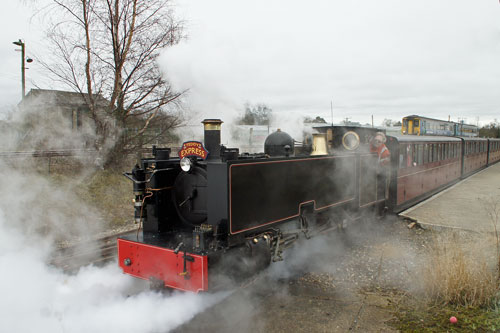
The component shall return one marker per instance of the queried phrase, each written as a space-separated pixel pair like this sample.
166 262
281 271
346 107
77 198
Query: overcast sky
387 58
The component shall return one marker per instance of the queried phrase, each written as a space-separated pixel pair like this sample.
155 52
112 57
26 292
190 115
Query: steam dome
279 144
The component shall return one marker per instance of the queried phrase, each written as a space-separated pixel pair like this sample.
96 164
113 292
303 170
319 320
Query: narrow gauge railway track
96 252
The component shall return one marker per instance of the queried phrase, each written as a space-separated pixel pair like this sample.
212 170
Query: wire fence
47 153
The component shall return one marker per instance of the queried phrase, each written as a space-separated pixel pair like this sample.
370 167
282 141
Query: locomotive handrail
129 175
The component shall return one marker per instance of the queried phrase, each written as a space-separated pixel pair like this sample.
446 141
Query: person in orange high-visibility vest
377 145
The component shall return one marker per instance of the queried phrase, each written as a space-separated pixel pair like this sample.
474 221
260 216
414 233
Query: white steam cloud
39 298
35 214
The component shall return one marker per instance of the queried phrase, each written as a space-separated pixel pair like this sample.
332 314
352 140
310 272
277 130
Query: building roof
45 97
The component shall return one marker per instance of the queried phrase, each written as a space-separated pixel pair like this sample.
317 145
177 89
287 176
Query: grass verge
412 316
457 278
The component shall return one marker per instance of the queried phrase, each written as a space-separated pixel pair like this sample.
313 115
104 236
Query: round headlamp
186 164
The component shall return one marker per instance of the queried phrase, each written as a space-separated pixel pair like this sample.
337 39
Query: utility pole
23 68
331 109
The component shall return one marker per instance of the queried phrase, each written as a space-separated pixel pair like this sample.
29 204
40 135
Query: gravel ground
343 282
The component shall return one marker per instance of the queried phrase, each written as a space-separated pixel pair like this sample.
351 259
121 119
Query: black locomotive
212 212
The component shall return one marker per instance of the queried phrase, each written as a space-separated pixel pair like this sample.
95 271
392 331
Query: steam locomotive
211 213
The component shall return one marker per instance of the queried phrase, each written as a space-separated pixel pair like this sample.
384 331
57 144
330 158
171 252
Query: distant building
72 106
54 119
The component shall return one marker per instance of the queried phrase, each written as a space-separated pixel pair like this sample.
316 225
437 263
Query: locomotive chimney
212 137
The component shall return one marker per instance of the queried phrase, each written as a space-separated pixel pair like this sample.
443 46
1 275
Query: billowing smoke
38 297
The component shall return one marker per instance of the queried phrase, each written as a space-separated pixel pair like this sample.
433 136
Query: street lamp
23 82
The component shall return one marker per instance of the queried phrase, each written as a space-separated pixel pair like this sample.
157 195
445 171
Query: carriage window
402 156
420 154
426 153
413 154
409 155
434 153
415 122
440 152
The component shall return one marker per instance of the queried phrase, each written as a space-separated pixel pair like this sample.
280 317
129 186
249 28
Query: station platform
466 205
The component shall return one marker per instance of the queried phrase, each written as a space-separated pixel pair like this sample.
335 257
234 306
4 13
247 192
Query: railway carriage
418 125
475 155
421 166
493 151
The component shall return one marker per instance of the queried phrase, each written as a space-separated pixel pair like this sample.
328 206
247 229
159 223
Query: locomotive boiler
211 213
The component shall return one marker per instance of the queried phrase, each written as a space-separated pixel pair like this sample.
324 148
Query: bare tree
259 114
108 50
